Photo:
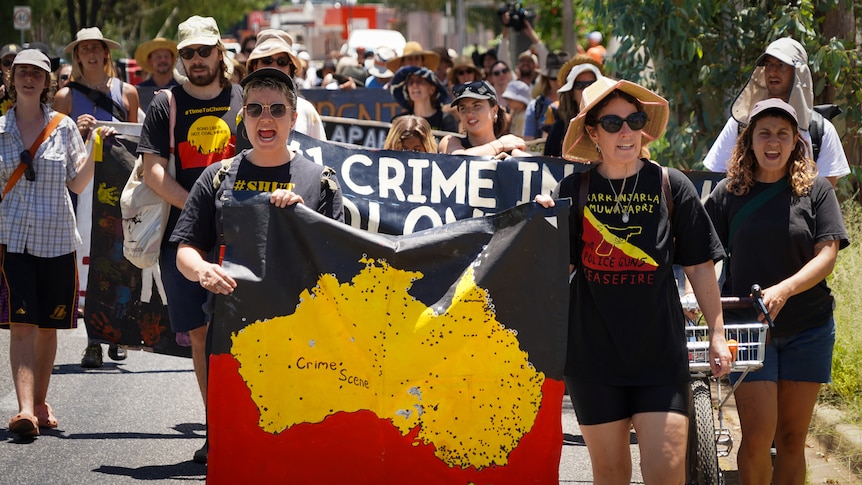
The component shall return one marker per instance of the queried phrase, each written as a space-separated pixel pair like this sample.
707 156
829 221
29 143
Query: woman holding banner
269 109
484 123
626 366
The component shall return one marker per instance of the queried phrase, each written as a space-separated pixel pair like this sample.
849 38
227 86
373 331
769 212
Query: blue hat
398 86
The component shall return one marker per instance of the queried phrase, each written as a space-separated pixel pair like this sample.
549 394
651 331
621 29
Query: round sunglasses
255 110
281 61
614 123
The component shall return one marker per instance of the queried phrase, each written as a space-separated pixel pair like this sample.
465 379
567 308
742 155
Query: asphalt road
142 419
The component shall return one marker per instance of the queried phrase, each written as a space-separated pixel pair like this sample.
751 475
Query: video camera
517 15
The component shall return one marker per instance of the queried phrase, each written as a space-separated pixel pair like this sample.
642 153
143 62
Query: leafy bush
846 283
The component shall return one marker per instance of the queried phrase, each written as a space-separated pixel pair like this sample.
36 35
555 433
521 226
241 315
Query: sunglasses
276 110
204 51
461 72
281 61
7 63
500 72
476 87
64 77
614 123
27 160
581 85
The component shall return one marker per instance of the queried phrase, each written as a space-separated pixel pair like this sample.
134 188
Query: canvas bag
145 213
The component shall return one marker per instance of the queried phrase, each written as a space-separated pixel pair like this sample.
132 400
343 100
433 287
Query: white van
371 39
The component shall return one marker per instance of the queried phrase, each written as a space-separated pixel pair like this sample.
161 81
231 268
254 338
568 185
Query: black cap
270 72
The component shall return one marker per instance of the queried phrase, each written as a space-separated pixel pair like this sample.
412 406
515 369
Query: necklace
98 86
627 210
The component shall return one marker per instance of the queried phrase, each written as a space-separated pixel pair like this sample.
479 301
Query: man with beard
206 106
157 57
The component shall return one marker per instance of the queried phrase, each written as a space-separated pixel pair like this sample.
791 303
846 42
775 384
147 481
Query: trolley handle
736 302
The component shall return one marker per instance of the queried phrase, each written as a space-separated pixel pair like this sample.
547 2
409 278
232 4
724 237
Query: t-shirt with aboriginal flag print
626 325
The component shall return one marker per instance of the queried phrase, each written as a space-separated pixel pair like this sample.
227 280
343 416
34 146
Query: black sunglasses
27 160
281 61
7 63
64 77
204 51
614 123
461 72
255 110
581 85
477 87
500 72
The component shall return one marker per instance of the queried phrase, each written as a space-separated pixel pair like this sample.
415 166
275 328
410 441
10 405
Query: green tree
699 54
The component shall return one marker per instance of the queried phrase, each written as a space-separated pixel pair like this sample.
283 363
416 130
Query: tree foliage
699 54
55 22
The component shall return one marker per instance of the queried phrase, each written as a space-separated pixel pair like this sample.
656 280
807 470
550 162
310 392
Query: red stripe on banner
336 450
85 260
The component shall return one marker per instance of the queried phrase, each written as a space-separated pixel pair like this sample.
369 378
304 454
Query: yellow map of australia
456 374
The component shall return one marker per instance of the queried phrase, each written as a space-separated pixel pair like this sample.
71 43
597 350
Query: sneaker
92 356
201 454
115 352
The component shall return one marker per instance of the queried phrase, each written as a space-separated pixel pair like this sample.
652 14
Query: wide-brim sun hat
573 68
464 63
398 86
33 57
142 53
90 33
271 42
578 146
412 48
377 67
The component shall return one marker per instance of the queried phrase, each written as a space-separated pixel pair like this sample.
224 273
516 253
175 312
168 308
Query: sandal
45 415
24 424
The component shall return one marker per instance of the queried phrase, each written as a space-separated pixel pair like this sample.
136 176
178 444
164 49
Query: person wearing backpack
782 72
631 221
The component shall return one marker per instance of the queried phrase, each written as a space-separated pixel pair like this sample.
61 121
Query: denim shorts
185 298
804 357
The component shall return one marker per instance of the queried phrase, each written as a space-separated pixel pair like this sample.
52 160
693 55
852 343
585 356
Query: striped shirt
36 217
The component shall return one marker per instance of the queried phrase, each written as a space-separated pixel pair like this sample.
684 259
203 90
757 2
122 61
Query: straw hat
142 53
91 33
577 146
460 63
412 48
271 42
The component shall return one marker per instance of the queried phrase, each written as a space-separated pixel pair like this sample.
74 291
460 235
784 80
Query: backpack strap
815 129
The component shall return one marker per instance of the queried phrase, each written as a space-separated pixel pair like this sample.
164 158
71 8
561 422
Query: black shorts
597 403
42 291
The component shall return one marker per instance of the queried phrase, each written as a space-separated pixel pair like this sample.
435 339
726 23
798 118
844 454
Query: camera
517 15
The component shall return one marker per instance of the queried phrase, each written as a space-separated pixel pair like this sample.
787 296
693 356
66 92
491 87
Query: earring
598 148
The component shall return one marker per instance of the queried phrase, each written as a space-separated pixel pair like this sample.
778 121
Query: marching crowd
775 219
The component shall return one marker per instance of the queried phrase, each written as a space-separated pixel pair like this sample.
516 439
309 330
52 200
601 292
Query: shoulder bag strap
19 170
752 205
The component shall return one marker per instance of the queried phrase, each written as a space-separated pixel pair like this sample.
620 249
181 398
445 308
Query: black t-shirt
200 223
626 325
774 242
205 133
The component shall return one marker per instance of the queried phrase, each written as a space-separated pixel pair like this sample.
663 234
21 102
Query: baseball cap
33 57
772 104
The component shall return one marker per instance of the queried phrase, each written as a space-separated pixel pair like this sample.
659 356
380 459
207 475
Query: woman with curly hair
782 228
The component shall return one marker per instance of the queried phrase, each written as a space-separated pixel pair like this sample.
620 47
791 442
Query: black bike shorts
597 403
